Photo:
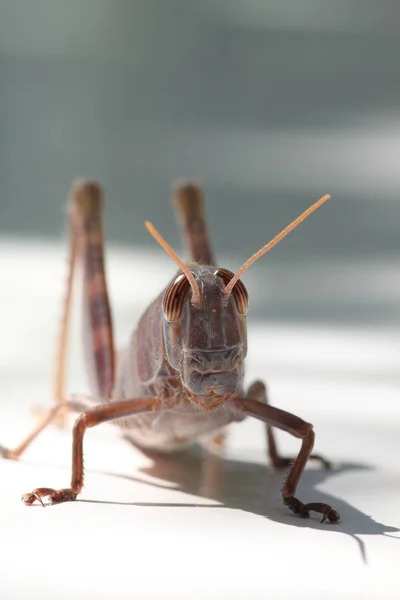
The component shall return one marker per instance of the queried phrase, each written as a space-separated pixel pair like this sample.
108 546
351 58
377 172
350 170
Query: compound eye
239 292
174 298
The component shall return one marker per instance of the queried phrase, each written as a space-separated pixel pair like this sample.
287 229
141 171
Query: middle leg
258 391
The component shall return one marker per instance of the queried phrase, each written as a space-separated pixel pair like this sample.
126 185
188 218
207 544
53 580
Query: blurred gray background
270 104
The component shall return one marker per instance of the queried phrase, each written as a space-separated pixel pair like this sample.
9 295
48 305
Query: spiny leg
77 404
90 418
188 201
300 429
60 366
85 209
41 413
86 247
46 417
258 391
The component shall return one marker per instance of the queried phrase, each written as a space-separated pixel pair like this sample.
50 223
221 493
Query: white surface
190 528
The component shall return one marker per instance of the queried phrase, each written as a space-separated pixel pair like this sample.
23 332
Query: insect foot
303 510
6 453
54 496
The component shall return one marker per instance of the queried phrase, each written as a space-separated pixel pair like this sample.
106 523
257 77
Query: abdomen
176 427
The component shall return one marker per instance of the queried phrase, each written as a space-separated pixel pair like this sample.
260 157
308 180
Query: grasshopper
182 375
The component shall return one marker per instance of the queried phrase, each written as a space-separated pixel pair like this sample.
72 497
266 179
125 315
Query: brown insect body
182 374
195 362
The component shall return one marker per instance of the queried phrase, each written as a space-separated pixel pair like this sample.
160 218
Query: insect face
207 343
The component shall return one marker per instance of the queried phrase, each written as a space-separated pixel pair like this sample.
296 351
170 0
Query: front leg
258 391
90 418
300 429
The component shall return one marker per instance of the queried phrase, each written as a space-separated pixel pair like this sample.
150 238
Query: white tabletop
190 527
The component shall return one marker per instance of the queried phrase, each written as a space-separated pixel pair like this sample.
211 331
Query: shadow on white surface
184 526
252 487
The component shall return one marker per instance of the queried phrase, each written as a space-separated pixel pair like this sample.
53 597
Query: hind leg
48 417
86 248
